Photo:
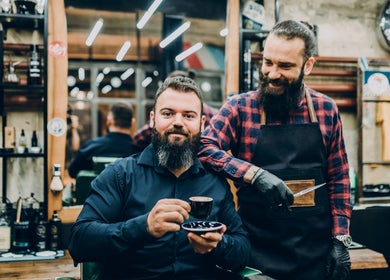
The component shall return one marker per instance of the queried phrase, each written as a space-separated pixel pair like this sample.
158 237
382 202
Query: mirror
96 80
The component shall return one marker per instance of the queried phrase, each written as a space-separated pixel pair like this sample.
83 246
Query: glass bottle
55 231
5 229
22 141
34 70
34 139
39 230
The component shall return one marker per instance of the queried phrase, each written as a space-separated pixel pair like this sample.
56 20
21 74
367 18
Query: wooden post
232 48
57 91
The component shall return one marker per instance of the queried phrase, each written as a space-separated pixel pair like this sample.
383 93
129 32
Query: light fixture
71 81
122 52
141 23
127 74
188 52
146 82
224 32
175 34
95 30
116 82
106 70
106 89
81 74
99 78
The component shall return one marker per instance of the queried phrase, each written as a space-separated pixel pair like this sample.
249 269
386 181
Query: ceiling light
71 81
146 82
106 70
224 32
188 52
175 34
95 30
116 82
106 89
127 74
99 78
122 52
74 91
81 74
141 23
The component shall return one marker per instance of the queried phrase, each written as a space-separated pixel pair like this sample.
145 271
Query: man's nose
178 120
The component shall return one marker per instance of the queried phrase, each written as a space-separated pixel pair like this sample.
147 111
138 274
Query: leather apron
289 245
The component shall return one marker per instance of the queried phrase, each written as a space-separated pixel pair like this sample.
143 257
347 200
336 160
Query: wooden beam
232 48
57 93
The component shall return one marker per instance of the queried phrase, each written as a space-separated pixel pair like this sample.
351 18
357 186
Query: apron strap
312 114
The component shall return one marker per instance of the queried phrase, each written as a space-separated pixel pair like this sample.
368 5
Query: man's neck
119 129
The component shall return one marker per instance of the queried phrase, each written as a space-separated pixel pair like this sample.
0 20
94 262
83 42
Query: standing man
131 221
116 143
286 134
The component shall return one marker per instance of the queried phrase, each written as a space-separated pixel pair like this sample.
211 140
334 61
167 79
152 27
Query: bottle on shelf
34 139
34 69
39 230
22 142
55 232
5 229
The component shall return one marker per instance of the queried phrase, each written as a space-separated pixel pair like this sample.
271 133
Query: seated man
116 143
131 221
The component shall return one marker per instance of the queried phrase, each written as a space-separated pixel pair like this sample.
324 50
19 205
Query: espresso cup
201 206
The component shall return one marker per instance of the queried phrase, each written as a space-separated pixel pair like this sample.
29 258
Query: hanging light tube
141 23
95 30
122 52
188 52
175 34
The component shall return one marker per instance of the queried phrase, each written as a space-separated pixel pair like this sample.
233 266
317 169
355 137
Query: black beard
279 102
174 155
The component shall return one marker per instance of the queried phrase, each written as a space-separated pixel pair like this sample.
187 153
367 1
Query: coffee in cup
201 206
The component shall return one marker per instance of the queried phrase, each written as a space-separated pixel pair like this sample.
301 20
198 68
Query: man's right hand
166 216
273 189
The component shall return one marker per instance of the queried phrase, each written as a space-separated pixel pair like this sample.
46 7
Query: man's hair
122 115
190 74
181 84
291 29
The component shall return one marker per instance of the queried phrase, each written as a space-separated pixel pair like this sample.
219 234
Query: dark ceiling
206 9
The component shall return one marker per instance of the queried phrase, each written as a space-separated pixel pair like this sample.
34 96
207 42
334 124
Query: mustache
176 131
276 82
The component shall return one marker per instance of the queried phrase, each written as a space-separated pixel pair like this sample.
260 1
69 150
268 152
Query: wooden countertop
367 259
40 270
49 270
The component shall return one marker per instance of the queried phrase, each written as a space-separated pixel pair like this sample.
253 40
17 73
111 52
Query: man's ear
151 118
202 122
309 65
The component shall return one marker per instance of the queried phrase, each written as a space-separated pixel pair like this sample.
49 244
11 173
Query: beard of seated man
175 155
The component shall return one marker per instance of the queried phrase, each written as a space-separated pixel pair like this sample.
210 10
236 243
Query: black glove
338 263
274 189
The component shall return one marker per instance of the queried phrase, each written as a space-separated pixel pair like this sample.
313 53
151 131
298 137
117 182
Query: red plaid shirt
229 142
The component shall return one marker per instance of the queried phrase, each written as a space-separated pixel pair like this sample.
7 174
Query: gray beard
172 155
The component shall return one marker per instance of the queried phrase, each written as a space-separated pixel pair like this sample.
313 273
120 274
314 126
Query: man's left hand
338 262
205 243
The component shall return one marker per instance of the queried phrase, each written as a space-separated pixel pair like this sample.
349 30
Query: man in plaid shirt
276 141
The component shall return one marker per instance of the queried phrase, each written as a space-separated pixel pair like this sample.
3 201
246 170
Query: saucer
202 226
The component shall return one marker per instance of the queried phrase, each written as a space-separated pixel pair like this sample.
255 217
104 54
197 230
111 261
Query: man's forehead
179 99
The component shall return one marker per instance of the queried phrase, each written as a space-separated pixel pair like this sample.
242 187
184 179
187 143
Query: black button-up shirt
111 228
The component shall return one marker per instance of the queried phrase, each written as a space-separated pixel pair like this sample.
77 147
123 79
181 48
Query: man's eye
166 114
190 116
